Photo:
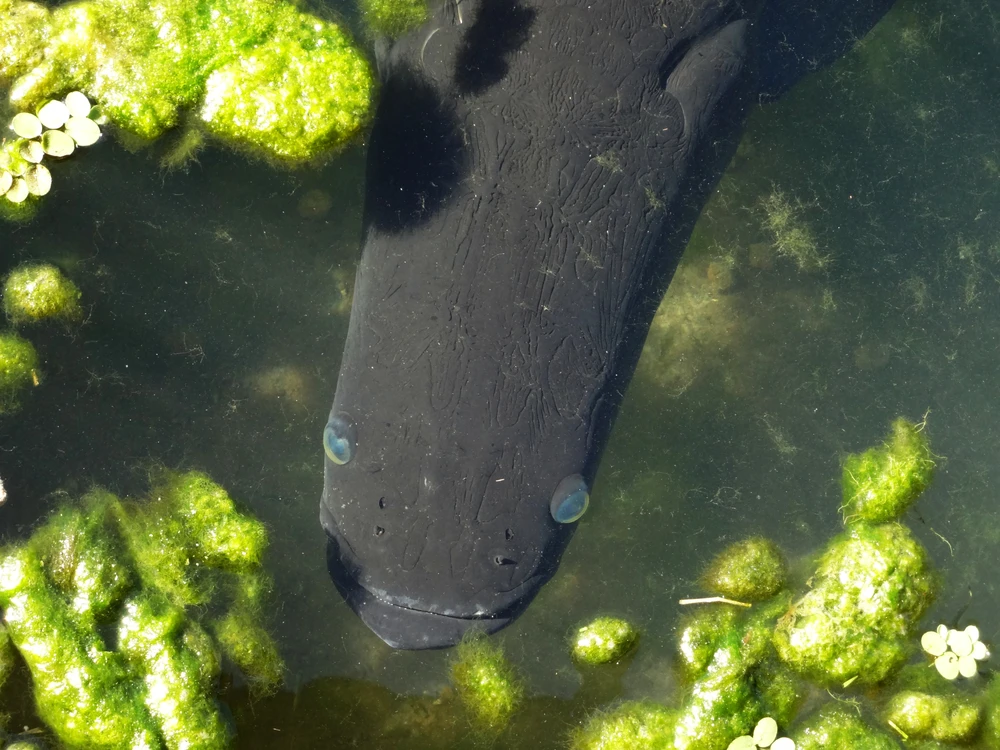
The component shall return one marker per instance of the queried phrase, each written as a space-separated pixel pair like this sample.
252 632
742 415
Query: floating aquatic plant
58 128
765 735
955 652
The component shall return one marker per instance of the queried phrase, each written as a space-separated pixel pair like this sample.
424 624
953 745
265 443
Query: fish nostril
379 531
381 503
508 534
501 560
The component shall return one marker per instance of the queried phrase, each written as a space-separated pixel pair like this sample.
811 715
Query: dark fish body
534 174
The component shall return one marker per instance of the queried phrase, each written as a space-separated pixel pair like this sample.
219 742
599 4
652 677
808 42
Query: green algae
855 624
604 640
698 637
19 368
116 660
261 75
953 718
38 292
250 647
730 695
82 689
215 533
630 726
871 587
19 213
782 692
177 687
881 483
750 570
486 683
835 727
190 529
392 18
991 719
792 236
8 659
722 703
266 102
80 551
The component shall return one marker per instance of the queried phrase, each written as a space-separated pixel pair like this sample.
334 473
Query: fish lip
412 628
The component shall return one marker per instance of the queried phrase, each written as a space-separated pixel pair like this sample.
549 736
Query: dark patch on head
415 156
500 28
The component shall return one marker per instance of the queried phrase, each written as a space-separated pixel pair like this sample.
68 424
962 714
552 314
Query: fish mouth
405 624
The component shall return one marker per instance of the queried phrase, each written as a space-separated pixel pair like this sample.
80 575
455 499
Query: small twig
902 734
713 600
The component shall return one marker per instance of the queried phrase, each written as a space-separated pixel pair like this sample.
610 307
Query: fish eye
339 440
570 500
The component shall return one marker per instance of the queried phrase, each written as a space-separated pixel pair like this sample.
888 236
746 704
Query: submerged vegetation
711 329
19 368
854 625
35 293
486 683
113 605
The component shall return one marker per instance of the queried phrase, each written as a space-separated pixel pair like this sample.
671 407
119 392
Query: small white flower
955 652
764 735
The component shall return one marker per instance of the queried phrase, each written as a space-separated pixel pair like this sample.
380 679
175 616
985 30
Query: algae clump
604 640
245 641
38 292
699 635
731 694
7 659
631 726
751 570
19 368
834 727
872 586
262 76
792 237
117 657
991 720
874 582
303 92
945 718
83 689
392 18
486 683
881 483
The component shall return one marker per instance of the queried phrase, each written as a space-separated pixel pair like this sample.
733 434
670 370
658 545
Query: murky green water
216 323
